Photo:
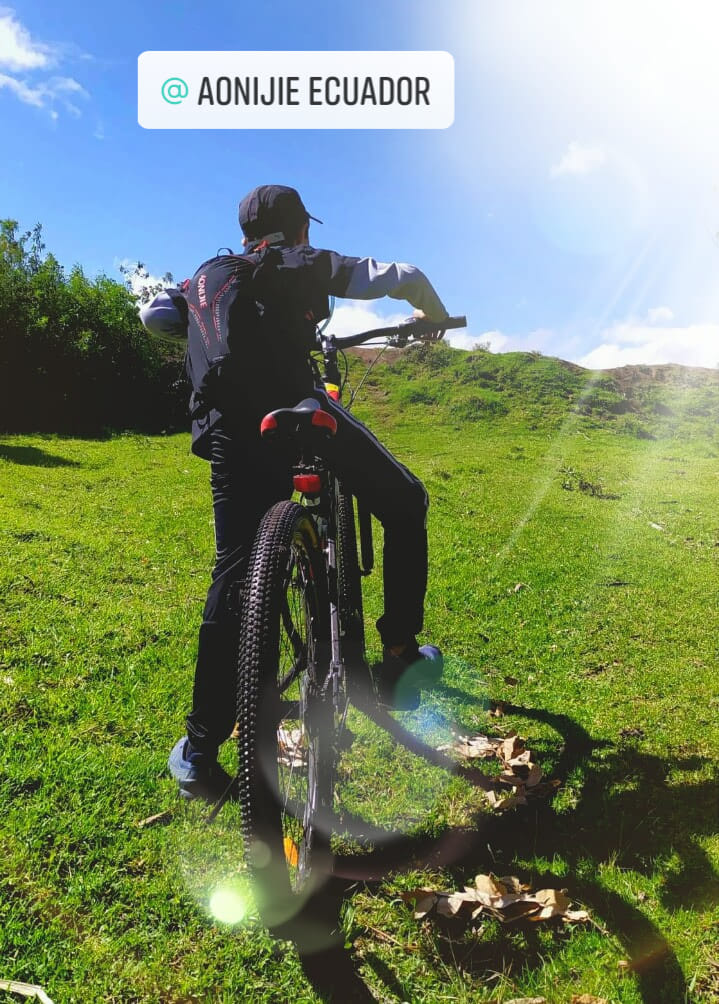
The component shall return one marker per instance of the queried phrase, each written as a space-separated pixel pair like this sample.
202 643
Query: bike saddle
305 416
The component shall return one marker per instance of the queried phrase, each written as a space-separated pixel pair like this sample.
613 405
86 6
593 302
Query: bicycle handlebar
413 327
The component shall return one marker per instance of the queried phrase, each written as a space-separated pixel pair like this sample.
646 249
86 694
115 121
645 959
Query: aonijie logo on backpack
201 287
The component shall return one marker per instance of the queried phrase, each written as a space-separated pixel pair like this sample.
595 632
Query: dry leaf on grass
527 1000
588 999
519 773
505 898
502 802
292 751
423 900
25 990
511 747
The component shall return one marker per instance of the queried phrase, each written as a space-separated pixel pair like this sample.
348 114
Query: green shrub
416 392
75 355
476 407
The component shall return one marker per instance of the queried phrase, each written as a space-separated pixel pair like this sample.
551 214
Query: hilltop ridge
647 401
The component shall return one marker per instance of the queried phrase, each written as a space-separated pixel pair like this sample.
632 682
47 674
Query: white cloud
658 315
18 51
352 316
21 53
46 94
640 341
633 341
540 340
579 159
464 340
68 85
29 95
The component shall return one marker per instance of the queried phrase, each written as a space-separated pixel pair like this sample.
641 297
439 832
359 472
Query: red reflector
325 421
334 394
268 424
308 484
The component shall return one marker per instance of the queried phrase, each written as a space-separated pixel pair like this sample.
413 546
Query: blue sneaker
401 677
198 774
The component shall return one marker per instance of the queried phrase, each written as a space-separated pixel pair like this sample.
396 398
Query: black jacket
251 323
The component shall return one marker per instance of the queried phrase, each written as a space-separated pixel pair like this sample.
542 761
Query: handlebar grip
416 327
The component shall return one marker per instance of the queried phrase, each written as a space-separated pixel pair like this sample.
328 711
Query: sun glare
228 904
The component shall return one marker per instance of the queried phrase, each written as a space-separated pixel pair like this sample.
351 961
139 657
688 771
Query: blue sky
573 206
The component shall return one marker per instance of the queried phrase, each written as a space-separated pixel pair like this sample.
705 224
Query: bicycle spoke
293 634
296 782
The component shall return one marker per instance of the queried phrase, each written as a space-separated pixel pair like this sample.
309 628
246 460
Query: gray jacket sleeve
164 316
370 279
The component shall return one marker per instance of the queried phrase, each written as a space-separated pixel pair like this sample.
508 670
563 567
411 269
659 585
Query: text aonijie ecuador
315 90
295 90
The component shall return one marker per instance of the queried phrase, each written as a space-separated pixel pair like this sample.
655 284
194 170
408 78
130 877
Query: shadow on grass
33 456
627 813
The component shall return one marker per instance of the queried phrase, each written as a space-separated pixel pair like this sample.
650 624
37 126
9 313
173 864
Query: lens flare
228 904
261 854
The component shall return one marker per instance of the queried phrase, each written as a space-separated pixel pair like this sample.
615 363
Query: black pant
247 477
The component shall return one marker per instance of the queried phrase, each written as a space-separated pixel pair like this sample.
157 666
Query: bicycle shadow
627 812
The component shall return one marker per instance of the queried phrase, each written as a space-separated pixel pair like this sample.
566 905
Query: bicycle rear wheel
286 745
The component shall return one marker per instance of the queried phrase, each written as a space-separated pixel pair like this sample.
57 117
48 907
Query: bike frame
323 505
324 511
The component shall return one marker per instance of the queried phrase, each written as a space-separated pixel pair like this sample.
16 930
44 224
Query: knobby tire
287 744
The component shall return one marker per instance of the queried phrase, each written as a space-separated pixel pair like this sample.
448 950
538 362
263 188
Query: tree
135 282
75 355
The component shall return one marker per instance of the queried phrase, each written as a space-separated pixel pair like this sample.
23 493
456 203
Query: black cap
271 209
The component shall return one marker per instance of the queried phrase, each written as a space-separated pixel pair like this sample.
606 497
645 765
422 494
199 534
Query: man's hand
429 336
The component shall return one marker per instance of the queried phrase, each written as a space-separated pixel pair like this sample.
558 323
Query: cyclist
251 321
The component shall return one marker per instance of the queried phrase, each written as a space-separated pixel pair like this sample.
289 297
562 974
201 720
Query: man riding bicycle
251 322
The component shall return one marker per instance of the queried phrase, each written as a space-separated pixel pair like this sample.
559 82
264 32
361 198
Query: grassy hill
574 544
641 401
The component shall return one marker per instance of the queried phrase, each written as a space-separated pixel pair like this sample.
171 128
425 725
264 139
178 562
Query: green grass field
574 547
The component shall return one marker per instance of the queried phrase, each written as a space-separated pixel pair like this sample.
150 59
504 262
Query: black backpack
251 324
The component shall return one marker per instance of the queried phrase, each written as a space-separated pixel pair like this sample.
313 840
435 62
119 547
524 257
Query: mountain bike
302 646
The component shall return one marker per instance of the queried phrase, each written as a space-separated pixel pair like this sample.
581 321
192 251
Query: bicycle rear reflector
308 484
325 421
